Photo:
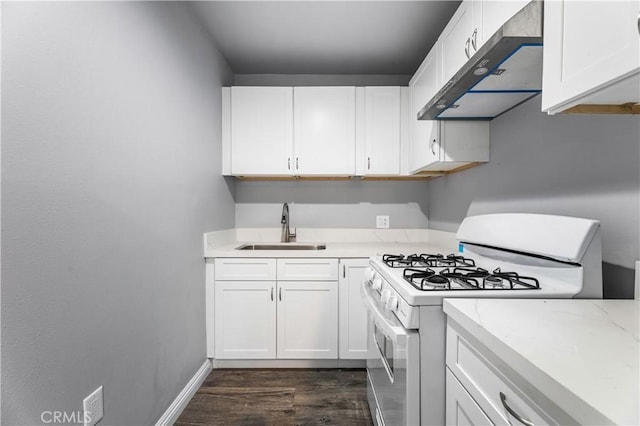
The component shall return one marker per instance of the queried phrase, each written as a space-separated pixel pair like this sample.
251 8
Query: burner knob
392 304
384 298
368 275
377 282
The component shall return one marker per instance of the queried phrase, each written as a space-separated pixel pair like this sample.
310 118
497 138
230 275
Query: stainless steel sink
282 246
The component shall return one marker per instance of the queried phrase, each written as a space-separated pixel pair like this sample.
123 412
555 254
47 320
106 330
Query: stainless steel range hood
503 73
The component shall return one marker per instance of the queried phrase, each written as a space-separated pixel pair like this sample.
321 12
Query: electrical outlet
93 408
382 222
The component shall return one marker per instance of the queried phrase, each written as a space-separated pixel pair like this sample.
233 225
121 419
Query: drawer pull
515 415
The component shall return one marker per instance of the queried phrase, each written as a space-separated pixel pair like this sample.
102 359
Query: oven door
393 369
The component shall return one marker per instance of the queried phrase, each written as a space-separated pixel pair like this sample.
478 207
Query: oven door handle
383 359
394 332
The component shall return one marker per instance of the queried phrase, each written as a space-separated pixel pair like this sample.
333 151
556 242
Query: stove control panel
391 300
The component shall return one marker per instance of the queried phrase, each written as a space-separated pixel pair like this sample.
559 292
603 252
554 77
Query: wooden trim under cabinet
628 108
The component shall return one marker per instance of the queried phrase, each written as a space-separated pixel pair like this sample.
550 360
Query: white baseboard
289 363
180 403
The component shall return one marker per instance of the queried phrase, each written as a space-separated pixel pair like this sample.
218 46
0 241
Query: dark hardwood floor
280 397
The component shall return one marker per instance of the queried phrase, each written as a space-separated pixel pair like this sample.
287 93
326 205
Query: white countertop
581 354
340 243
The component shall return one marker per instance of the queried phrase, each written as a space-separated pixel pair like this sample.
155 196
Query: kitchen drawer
307 269
247 269
486 385
460 408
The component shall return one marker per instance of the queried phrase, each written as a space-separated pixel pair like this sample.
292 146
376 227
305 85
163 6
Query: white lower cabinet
352 324
275 309
461 409
307 318
245 326
487 386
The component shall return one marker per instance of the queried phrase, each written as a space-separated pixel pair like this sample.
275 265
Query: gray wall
110 175
576 165
334 204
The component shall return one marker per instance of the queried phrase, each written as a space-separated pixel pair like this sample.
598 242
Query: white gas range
498 256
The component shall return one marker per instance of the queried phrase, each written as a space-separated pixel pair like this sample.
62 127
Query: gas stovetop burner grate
468 278
426 260
450 260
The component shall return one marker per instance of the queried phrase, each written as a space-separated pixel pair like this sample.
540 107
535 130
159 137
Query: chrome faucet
287 236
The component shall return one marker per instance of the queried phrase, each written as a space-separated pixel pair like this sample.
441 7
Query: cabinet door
460 408
424 134
307 320
589 45
352 320
495 13
261 130
382 130
455 40
245 320
324 130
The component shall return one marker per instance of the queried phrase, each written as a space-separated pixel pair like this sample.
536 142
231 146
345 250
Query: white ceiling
325 37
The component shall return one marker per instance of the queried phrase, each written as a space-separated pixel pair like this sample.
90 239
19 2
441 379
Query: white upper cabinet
456 39
324 130
494 13
261 130
441 145
471 26
591 53
382 131
424 84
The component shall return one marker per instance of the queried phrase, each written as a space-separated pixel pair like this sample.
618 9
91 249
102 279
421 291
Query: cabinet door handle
515 415
368 163
272 294
474 39
344 271
289 163
296 163
280 294
466 48
433 143
638 23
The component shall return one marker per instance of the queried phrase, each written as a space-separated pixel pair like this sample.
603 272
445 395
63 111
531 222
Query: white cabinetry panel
382 130
245 326
353 315
261 130
422 87
495 13
455 40
591 53
324 130
307 320
308 269
247 269
461 409
487 387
